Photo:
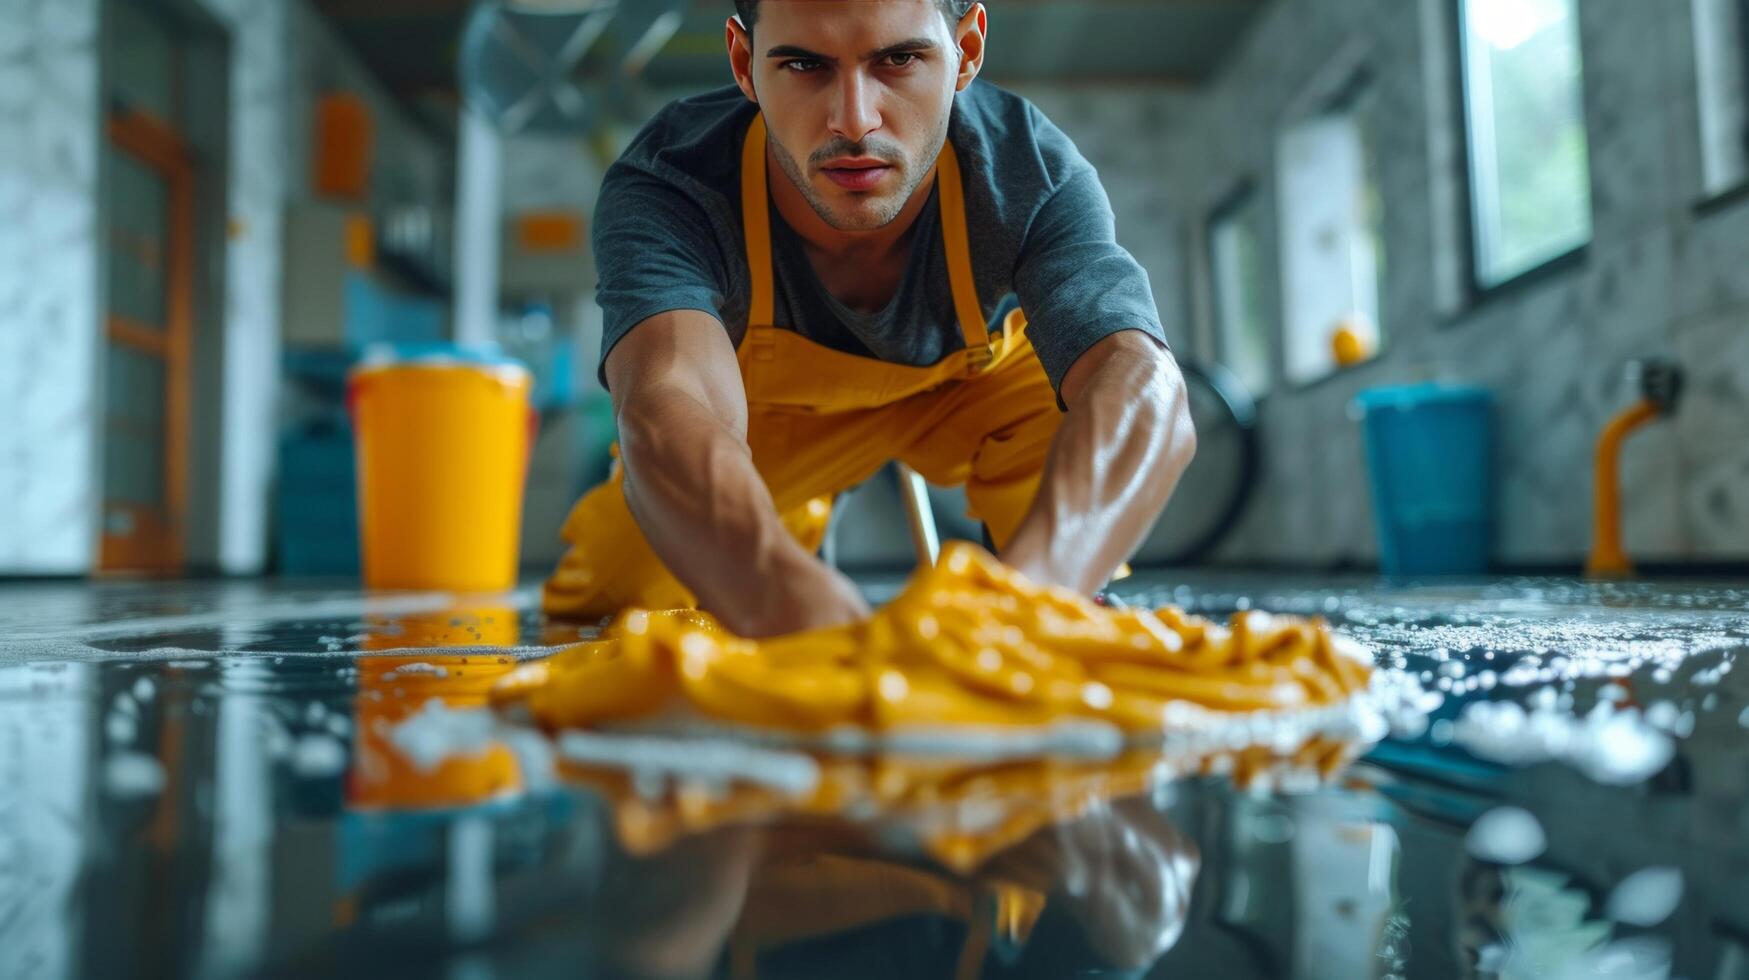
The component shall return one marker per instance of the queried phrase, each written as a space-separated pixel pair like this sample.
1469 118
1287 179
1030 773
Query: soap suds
133 775
437 732
659 760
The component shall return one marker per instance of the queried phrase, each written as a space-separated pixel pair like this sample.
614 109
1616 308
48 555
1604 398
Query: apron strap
756 222
756 225
959 261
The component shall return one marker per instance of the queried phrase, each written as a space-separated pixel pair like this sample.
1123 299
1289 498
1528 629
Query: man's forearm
1123 445
691 484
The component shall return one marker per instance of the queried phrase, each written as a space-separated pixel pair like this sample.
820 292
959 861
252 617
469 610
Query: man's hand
691 483
1124 443
812 595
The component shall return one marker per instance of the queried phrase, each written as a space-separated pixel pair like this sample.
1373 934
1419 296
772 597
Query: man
814 272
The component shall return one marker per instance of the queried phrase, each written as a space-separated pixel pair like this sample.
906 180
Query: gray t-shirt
667 236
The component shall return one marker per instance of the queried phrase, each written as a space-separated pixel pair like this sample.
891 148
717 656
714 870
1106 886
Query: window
1721 56
1332 221
1530 177
1235 265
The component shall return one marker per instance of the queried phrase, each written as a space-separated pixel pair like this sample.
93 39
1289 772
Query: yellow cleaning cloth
969 642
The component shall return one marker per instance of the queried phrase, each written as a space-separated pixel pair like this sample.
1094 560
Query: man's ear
969 36
740 42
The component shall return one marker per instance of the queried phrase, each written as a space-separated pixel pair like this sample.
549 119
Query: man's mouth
856 173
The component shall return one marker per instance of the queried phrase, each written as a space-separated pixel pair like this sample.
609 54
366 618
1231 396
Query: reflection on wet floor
233 778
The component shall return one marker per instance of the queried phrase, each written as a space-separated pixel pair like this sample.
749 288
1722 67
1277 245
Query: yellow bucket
443 446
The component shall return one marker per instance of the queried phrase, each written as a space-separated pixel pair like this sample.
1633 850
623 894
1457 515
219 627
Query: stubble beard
878 213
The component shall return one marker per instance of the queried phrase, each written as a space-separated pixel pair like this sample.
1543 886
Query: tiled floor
229 778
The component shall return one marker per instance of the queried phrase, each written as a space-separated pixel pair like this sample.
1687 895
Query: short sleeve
654 252
1075 282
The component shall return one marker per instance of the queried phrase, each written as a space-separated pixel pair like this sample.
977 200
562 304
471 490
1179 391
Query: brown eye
901 59
799 65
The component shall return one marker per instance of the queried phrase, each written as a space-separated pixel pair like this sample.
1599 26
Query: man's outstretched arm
691 483
1123 445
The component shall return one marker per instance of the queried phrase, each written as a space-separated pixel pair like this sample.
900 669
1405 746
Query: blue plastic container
1429 450
317 525
376 315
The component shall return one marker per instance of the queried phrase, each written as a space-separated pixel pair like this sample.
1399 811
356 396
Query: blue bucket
1429 451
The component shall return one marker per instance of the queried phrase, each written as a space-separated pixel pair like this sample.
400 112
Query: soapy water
1509 677
1605 678
1612 682
132 775
1506 835
318 755
1647 897
1608 678
1609 681
437 733
1619 746
1546 932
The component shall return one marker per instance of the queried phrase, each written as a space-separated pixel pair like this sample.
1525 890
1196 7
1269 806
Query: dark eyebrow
791 51
909 46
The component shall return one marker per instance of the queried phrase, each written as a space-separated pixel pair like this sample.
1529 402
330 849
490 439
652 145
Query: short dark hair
953 10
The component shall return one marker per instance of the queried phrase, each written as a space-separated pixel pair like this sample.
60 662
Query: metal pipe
478 204
919 514
1608 559
1660 384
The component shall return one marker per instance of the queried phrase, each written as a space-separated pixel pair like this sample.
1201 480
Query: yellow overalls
820 421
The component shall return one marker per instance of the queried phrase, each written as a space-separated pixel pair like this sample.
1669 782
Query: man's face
856 96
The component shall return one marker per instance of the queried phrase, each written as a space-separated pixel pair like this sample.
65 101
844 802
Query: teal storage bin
375 315
317 514
1429 451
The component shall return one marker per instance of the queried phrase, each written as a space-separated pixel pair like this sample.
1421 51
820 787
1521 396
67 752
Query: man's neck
831 244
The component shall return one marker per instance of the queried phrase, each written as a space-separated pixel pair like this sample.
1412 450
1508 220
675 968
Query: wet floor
242 779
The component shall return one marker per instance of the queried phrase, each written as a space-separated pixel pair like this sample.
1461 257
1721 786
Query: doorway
149 202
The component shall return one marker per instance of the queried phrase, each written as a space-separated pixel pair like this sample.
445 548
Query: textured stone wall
48 284
1120 130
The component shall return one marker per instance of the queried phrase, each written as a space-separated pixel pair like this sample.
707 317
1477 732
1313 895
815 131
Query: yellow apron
820 421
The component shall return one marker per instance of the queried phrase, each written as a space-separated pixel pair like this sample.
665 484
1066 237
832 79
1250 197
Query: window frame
1726 197
1353 74
1243 193
1743 44
1475 293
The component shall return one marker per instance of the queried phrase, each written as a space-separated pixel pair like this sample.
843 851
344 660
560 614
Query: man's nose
854 112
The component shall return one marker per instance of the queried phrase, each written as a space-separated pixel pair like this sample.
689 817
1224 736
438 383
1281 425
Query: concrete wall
48 284
1125 130
1661 277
